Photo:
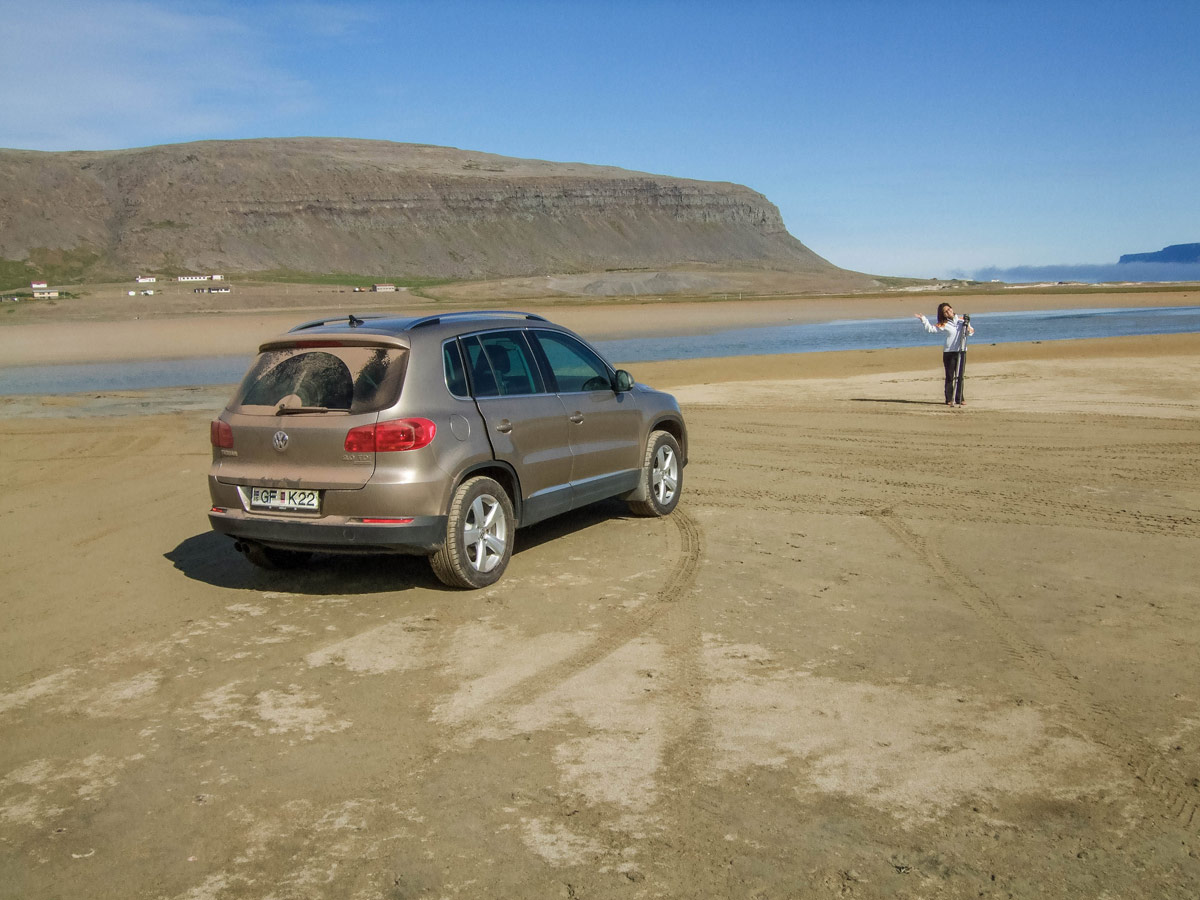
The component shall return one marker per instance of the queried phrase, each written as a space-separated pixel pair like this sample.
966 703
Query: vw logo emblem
280 441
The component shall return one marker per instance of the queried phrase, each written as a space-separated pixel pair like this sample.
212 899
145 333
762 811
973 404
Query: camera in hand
966 319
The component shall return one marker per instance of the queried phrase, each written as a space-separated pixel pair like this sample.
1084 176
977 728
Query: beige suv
437 436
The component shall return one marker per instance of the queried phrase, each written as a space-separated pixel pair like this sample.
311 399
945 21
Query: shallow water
879 334
861 334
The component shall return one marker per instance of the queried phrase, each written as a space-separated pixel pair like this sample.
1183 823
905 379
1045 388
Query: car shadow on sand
569 523
209 557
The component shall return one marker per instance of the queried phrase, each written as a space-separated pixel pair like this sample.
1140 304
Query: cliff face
1175 253
373 207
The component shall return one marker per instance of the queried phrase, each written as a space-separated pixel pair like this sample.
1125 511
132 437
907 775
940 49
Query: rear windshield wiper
296 410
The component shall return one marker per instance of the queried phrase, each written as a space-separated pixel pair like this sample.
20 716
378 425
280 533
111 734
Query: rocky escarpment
375 208
1175 253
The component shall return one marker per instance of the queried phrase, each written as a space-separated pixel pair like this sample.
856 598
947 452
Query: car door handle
577 418
504 426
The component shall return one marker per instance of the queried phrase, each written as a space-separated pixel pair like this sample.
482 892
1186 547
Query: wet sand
882 649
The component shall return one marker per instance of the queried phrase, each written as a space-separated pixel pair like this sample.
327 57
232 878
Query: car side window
456 374
576 368
501 365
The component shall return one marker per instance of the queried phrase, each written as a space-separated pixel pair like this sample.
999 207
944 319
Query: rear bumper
421 536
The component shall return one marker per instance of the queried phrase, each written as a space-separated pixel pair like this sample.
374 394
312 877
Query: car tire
274 558
479 535
661 478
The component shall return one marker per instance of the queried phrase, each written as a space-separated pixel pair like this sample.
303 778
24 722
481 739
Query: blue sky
907 138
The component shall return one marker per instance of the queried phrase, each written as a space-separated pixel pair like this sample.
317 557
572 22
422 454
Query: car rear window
350 379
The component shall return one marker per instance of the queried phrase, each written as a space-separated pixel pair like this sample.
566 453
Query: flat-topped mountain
321 205
1175 253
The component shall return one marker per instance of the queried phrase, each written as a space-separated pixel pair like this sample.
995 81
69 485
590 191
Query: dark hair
942 317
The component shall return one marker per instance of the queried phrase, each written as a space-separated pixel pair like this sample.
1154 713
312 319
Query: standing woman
954 357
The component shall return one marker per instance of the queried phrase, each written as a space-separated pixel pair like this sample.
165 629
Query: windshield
322 379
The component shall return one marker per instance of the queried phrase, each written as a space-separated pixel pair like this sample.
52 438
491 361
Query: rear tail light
384 437
221 434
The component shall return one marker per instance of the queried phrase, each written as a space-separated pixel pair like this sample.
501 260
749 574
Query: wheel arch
500 472
674 427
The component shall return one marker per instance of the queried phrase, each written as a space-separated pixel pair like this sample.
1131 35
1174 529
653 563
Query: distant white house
220 290
194 278
37 285
145 279
383 287
218 278
45 295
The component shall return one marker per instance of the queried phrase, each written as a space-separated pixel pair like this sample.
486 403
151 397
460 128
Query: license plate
285 498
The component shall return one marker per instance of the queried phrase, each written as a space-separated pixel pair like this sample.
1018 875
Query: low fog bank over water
1090 274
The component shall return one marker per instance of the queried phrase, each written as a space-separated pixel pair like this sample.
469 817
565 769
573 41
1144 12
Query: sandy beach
883 648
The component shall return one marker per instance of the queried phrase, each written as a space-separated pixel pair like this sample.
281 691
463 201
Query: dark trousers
956 372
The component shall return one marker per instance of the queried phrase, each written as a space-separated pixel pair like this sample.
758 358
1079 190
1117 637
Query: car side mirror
623 382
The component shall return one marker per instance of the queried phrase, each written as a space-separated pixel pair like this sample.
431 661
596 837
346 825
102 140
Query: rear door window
501 364
323 378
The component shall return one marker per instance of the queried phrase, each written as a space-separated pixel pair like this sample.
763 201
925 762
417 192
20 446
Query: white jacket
956 333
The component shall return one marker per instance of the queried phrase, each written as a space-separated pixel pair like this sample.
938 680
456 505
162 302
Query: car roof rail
352 320
473 314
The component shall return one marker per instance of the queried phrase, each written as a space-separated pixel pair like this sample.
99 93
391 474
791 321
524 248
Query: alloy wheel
485 534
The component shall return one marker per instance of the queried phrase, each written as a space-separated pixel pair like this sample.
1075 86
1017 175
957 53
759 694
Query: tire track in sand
1177 794
693 837
678 584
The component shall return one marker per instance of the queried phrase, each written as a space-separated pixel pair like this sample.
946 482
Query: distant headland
1175 253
